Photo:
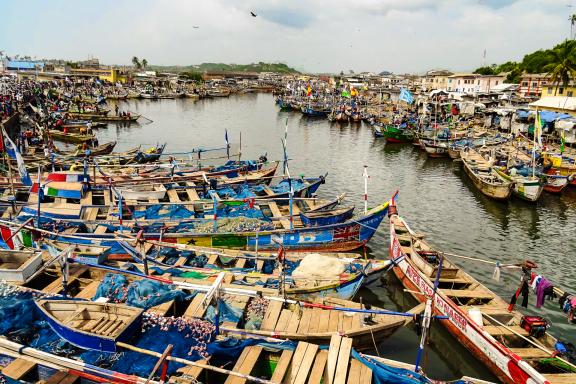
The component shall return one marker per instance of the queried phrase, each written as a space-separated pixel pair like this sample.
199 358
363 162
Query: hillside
253 67
534 62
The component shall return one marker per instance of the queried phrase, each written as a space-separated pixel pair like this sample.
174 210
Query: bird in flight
195 27
253 14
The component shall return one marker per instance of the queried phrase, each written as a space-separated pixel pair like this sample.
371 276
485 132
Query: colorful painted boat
91 325
18 266
335 216
76 138
477 317
528 188
554 182
394 134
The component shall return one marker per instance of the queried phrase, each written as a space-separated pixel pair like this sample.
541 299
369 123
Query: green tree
144 63
561 65
136 62
485 70
572 20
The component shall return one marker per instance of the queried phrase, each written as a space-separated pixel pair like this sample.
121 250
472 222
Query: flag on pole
10 240
12 151
227 143
309 91
406 95
562 142
538 129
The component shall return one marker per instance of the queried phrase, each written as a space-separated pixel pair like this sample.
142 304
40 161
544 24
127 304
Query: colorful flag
12 151
538 129
15 241
562 142
406 95
345 93
309 91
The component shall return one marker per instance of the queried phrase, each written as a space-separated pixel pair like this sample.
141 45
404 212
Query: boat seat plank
332 360
561 378
530 353
240 263
304 320
196 307
283 321
74 315
305 364
467 294
88 291
365 375
343 360
324 321
318 368
18 368
498 330
282 366
276 213
294 322
355 372
191 192
271 316
173 196
347 322
314 320
246 365
162 309
101 229
190 371
333 321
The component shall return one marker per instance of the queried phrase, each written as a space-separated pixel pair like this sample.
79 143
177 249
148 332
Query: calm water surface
435 198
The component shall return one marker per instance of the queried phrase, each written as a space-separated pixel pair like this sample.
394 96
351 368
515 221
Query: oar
142 116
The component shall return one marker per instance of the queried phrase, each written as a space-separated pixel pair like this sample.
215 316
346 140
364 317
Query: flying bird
253 14
195 27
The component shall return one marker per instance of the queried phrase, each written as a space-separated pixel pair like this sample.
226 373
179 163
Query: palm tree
572 20
561 65
144 63
136 63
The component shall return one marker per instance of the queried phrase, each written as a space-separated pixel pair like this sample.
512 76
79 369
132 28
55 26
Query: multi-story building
531 84
473 83
435 79
551 89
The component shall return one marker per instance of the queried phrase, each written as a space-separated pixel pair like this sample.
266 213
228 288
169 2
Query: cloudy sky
312 35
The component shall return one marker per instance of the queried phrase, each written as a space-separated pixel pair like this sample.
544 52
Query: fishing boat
477 317
395 134
70 137
91 325
554 182
319 218
143 192
103 149
18 266
528 188
484 176
119 119
434 148
90 253
565 165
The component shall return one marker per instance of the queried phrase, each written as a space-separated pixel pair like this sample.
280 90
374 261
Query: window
543 82
561 91
534 84
496 82
458 81
570 93
478 82
549 89
524 83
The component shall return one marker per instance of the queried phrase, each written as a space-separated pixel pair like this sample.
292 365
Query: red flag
281 254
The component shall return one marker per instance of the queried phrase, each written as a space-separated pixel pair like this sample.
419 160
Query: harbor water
435 198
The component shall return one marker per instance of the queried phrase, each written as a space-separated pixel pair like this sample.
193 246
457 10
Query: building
531 84
435 79
112 75
562 104
473 83
23 65
222 75
558 90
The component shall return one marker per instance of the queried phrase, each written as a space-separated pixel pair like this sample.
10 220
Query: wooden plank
333 321
467 294
191 192
246 365
355 372
56 378
347 322
305 320
294 322
324 321
271 316
196 308
162 309
343 361
365 375
283 321
561 378
276 213
101 229
88 291
335 342
282 366
317 371
297 358
18 368
498 330
314 320
530 353
191 371
306 364
173 196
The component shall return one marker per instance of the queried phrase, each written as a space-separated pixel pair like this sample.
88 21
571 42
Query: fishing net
228 313
236 224
142 293
315 265
161 211
255 313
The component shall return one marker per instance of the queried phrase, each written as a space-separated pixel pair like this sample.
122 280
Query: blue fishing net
161 211
228 313
142 293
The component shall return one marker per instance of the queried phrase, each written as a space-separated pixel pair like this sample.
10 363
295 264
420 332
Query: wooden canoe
91 325
70 137
477 317
143 192
18 266
484 176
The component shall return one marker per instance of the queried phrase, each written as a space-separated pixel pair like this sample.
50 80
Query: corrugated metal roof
556 102
18 64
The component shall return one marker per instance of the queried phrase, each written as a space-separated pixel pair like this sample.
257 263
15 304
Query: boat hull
496 192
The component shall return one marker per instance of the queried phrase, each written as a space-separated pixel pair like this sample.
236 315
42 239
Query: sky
321 36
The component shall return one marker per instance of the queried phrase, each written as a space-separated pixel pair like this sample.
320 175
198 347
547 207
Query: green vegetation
209 67
192 75
541 61
139 64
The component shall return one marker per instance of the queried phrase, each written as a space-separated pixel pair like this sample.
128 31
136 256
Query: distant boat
485 177
91 325
18 266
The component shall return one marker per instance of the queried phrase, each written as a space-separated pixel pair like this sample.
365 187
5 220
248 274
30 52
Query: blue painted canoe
335 216
90 325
